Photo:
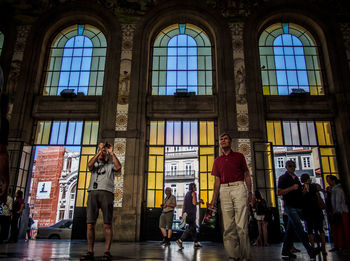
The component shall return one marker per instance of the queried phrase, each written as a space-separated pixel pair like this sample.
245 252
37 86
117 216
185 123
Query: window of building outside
173 169
76 62
306 162
61 215
289 61
188 169
280 163
174 189
182 61
69 164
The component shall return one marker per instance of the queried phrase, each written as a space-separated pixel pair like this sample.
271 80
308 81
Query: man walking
233 180
166 218
290 188
101 196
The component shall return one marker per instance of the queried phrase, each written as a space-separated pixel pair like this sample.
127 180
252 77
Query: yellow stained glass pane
150 198
46 133
159 180
270 132
327 151
156 150
152 163
204 196
266 90
313 90
40 132
151 180
203 140
206 151
82 177
203 180
203 164
161 127
88 150
85 198
159 198
211 180
160 163
83 163
88 177
80 197
210 162
325 165
153 133
278 133
87 132
211 139
328 133
333 164
210 195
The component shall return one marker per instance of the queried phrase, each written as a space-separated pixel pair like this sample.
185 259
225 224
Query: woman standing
17 209
260 208
190 208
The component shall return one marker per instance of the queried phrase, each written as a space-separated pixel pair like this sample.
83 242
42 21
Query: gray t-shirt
102 174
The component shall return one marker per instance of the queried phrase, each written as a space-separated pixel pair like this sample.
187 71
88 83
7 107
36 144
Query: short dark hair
20 193
225 134
191 186
304 177
334 178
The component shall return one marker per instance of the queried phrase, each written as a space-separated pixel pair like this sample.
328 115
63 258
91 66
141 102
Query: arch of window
76 63
289 60
1 41
182 61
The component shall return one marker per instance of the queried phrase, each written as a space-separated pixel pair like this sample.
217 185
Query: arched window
182 61
289 60
1 41
76 62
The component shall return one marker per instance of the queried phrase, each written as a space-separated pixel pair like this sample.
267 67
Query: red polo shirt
230 168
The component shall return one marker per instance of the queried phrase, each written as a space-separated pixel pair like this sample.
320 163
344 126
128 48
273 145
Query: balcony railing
180 174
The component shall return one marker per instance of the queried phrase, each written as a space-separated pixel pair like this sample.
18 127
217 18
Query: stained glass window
1 41
289 61
182 61
76 62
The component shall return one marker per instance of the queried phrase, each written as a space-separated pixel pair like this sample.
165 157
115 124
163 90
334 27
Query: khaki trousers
234 207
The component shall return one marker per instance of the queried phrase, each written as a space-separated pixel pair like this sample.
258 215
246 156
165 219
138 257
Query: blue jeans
294 223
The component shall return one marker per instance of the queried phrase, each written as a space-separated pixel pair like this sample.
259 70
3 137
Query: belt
236 183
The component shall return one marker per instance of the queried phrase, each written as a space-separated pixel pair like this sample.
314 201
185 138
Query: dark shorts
100 199
166 220
314 224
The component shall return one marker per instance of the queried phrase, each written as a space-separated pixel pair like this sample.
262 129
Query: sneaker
179 243
288 254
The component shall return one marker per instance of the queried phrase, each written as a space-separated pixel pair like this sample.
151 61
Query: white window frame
278 160
310 162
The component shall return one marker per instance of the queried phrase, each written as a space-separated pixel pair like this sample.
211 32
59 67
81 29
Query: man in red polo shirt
233 180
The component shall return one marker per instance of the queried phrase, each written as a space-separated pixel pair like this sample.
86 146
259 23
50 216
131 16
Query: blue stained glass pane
78 52
292 78
86 64
192 78
181 78
296 41
171 63
71 132
281 77
84 90
192 51
170 133
279 62
172 51
186 138
182 40
299 50
54 132
302 78
67 52
285 27
177 132
87 42
70 42
194 133
74 79
191 41
66 63
78 132
290 63
62 132
278 50
300 62
182 63
192 63
182 28
84 79
193 89
80 29
287 39
182 51
79 41
76 63
170 90
173 41
171 78
64 76
87 52
288 50
278 41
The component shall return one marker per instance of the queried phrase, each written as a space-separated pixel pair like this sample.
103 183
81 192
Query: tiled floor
71 250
